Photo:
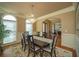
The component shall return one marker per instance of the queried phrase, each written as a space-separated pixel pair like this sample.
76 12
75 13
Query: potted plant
3 34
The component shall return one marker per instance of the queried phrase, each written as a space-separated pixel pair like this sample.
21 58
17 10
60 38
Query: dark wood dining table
40 44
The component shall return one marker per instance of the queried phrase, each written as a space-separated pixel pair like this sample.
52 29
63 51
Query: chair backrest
31 42
55 37
44 34
24 37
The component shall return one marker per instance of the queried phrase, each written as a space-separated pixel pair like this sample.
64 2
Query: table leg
41 53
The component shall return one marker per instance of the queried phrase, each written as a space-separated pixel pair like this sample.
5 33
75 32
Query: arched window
29 27
10 25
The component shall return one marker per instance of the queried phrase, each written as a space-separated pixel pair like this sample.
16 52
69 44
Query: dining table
41 42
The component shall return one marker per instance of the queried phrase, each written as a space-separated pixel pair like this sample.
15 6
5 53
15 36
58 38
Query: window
10 23
29 27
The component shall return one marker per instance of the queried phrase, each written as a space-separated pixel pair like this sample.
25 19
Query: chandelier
31 17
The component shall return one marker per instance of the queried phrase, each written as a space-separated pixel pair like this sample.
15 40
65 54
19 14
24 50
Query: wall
39 26
49 27
34 26
20 27
68 28
77 29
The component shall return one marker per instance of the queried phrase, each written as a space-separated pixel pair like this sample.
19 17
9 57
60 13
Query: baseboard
10 44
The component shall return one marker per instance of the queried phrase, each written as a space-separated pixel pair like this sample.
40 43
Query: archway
51 26
46 28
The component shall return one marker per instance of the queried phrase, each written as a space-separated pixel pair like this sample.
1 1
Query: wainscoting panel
69 40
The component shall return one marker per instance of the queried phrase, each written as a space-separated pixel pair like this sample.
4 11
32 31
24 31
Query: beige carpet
16 51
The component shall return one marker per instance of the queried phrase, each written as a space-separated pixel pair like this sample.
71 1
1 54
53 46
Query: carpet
17 51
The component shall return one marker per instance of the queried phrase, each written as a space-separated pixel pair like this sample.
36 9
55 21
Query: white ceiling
39 9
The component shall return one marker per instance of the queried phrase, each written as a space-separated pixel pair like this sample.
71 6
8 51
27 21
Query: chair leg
28 52
41 53
22 44
54 52
51 54
24 47
33 53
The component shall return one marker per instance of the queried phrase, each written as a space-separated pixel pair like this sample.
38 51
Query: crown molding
65 10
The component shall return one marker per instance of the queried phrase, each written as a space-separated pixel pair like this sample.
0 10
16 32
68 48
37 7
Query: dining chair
24 42
31 46
44 34
52 48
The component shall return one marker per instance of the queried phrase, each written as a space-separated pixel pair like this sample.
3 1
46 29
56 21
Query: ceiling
38 9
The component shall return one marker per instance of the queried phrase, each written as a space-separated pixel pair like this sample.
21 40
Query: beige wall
68 28
20 27
34 26
20 24
39 26
67 22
